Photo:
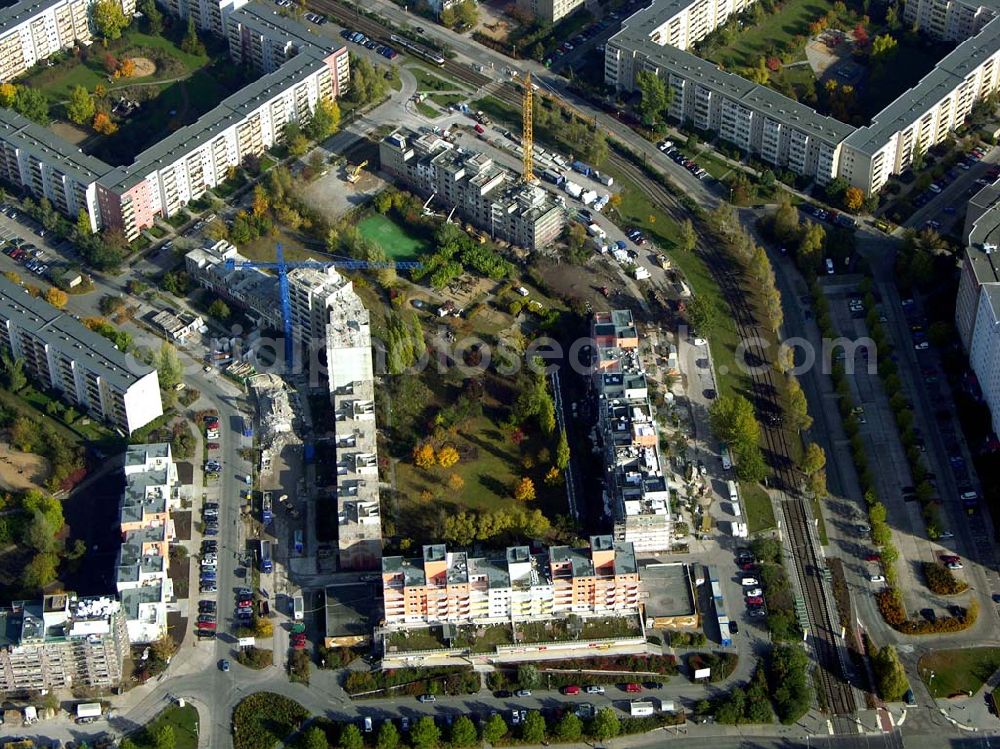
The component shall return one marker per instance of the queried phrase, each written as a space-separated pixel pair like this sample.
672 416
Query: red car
950 558
873 557
213 445
571 689
206 625
747 566
633 688
755 601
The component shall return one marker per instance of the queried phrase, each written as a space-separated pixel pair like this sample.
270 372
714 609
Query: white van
748 581
737 512
829 267
734 494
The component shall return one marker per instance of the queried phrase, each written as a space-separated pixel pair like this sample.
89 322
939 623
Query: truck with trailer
550 175
264 562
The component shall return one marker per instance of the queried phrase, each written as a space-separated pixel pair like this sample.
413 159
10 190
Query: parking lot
22 239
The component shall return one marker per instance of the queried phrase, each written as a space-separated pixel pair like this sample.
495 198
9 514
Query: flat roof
947 75
666 590
68 336
349 610
18 13
635 36
19 130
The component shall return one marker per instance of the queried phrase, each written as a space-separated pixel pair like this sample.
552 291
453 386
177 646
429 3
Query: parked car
595 689
427 698
632 688
877 579
571 689
522 693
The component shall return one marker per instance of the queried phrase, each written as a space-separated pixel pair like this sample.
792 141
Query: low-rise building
486 194
62 642
668 596
636 486
61 354
443 587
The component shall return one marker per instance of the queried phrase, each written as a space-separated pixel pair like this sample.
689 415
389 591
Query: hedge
894 614
453 680
940 580
264 719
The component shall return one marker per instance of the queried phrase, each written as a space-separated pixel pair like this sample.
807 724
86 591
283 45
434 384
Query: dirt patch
144 67
21 471
68 132
582 282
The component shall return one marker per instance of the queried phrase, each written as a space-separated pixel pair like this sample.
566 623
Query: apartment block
791 135
66 176
948 20
352 393
452 587
61 354
482 192
551 11
208 15
32 30
977 306
62 642
298 69
636 486
253 290
757 119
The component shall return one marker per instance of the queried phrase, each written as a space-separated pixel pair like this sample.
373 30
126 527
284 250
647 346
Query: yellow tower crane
527 140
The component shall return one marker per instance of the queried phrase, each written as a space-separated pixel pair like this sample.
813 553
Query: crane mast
527 139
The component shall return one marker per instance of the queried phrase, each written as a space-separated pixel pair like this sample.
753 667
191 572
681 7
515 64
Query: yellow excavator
355 174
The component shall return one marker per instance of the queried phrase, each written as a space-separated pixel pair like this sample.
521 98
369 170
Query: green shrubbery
263 719
941 581
413 681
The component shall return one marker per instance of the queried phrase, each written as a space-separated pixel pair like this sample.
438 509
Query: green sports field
393 238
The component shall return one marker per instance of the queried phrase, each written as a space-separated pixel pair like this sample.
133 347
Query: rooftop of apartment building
635 35
145 494
349 611
133 565
18 13
348 326
271 24
618 323
33 137
140 455
949 73
507 192
581 561
55 617
68 336
317 281
982 251
239 283
133 598
667 591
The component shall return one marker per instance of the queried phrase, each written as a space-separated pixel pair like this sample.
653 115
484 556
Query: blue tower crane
283 267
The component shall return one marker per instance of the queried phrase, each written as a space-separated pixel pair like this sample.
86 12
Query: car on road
757 613
921 345
223 665
748 582
206 625
427 698
877 579
522 693
571 689
955 565
946 558
595 689
652 685
873 557
632 688
734 628
502 694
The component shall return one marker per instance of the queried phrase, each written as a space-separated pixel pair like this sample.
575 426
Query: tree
425 734
109 18
533 728
33 104
388 736
860 35
569 728
154 18
798 407
447 456
315 738
524 490
596 148
83 227
423 456
219 310
655 98
102 124
494 730
168 366
325 120
8 93
854 198
191 43
13 372
40 571
81 105
528 677
163 737
41 534
463 732
733 420
702 313
917 157
126 69
448 17
883 45
811 247
350 737
890 676
687 240
605 725
814 459
294 138
56 297
467 13
562 451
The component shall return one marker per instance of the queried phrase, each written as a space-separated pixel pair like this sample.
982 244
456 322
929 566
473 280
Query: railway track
838 693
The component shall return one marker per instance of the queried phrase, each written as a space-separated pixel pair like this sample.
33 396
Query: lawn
757 503
417 639
958 671
427 110
426 81
184 721
393 238
446 100
776 31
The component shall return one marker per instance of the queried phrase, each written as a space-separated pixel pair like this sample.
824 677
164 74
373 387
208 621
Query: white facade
984 354
949 20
